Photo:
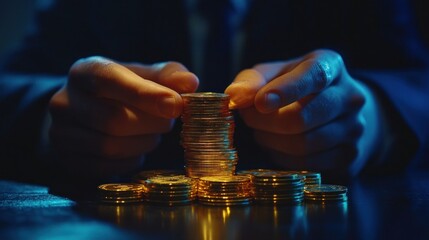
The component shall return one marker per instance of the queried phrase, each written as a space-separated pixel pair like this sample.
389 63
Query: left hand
309 111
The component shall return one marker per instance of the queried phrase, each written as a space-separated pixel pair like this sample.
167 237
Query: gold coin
177 180
325 189
121 187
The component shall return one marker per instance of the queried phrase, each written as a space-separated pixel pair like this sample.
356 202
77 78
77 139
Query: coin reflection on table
121 214
336 211
284 221
217 222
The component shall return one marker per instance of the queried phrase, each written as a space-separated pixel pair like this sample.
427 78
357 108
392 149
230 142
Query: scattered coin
121 193
325 193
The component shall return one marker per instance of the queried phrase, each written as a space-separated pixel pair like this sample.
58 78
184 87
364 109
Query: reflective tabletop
388 207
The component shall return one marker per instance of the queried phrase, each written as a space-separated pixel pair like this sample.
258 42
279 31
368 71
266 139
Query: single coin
325 188
121 187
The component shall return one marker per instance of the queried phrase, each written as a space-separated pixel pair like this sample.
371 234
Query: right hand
109 115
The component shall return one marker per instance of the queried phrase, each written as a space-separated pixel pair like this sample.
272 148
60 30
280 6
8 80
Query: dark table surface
388 207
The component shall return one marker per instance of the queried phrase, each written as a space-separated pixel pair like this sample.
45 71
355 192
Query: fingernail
236 97
272 101
167 107
232 104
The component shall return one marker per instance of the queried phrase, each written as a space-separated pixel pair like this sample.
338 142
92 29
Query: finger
105 115
170 74
307 113
243 89
73 139
313 74
107 79
345 130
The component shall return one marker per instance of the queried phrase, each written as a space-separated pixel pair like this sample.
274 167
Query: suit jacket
379 42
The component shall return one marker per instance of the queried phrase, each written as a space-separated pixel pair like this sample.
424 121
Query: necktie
216 73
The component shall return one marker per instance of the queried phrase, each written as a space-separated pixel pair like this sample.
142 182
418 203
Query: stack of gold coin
278 187
225 190
142 176
121 193
311 178
207 135
325 193
171 190
251 173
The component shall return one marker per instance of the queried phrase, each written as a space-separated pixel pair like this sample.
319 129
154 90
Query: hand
108 114
310 112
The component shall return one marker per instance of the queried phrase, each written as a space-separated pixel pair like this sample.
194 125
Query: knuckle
174 64
327 53
100 67
166 69
168 66
325 63
95 66
322 73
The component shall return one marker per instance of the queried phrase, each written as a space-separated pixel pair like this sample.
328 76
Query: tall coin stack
207 135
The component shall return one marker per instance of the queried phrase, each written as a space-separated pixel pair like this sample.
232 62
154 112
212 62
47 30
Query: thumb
243 89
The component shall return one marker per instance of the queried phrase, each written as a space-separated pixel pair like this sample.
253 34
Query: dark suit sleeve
62 35
31 76
404 98
403 85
